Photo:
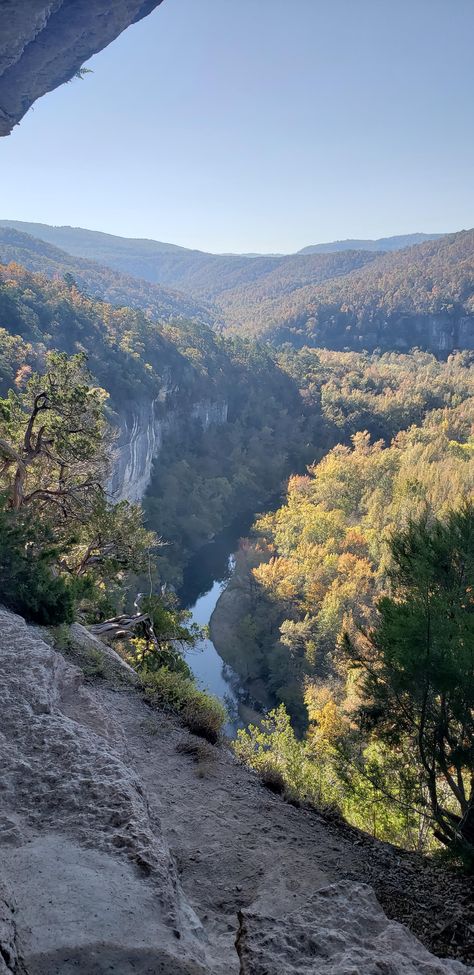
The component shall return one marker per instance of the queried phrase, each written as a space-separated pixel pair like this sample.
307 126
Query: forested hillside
381 244
344 591
204 477
284 409
376 446
195 272
99 281
205 276
420 296
128 354
402 425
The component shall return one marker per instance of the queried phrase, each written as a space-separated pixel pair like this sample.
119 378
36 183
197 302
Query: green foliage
52 437
324 563
367 784
327 548
128 354
418 666
82 72
272 749
28 584
54 445
202 713
379 792
408 769
385 299
382 394
172 632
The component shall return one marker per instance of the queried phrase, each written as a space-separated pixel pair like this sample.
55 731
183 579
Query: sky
259 126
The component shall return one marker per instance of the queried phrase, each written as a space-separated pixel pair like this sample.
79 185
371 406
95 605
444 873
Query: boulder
342 930
113 663
83 853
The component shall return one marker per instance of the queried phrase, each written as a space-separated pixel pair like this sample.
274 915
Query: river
204 579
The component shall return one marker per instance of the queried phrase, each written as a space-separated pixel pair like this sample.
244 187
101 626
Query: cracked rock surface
342 930
127 845
86 859
8 947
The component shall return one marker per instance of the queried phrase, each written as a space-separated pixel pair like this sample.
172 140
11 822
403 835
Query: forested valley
236 488
349 612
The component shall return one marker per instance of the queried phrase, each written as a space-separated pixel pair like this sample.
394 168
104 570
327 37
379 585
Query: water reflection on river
208 667
204 580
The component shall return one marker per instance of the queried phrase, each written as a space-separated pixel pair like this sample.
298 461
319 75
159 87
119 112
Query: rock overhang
43 43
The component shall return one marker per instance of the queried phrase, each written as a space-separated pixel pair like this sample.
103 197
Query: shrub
202 713
199 751
27 582
272 778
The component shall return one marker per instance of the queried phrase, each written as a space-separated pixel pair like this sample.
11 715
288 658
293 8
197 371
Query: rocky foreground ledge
129 846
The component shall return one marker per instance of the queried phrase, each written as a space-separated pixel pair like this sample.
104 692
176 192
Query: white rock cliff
140 438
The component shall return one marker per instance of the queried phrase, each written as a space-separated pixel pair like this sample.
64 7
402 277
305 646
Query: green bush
272 778
27 583
202 713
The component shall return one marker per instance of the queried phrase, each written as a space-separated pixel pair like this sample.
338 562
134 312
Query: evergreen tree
418 664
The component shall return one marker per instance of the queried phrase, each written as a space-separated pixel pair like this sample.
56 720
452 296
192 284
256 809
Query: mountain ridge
398 242
202 275
421 295
100 281
53 233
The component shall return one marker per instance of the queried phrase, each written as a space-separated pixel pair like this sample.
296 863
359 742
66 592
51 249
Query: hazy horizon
255 128
230 253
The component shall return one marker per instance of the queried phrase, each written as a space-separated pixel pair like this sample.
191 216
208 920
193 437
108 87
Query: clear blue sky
260 125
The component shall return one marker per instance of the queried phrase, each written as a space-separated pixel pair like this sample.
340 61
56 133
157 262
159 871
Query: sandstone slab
80 849
342 930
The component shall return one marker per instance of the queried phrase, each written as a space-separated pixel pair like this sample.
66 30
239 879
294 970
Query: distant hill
420 296
263 300
193 271
356 299
382 244
119 289
91 243
205 276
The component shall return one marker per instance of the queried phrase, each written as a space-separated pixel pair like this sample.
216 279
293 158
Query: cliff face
440 334
44 42
141 433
